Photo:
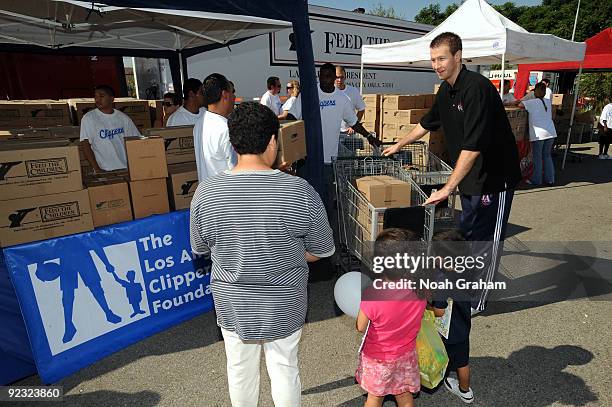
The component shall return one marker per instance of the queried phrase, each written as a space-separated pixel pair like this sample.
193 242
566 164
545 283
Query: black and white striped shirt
257 226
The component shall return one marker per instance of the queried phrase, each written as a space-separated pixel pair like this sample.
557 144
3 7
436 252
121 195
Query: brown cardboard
38 168
110 200
43 217
146 157
371 115
403 102
182 183
402 130
383 191
156 111
34 113
291 142
394 131
372 101
149 197
412 116
178 142
429 100
137 110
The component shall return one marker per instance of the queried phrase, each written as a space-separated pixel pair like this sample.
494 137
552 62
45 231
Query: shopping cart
429 172
426 169
358 220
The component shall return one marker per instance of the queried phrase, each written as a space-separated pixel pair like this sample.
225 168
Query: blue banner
88 295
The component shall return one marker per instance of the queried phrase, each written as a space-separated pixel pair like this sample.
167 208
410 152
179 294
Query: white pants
243 369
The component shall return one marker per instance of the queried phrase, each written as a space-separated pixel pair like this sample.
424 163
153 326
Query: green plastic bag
431 352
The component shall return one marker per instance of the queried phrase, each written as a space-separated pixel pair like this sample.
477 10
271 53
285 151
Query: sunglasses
168 104
340 77
289 87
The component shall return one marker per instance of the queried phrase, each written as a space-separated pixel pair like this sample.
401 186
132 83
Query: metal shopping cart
359 221
426 169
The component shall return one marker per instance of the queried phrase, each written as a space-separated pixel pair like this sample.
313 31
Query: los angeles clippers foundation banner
88 295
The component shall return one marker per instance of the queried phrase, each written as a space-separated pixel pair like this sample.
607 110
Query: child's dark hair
450 243
393 241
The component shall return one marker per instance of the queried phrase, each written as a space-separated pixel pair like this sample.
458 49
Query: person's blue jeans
541 156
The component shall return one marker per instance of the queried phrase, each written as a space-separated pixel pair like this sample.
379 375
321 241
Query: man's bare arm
91 157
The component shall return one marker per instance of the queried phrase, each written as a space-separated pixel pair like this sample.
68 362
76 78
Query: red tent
598 56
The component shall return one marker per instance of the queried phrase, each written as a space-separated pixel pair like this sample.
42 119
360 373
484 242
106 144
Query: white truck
337 37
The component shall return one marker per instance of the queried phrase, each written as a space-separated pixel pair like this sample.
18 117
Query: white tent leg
361 78
569 131
181 68
501 84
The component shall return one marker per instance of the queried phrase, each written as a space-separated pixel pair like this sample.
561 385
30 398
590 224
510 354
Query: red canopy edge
598 55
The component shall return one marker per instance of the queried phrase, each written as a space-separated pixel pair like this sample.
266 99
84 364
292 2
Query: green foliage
388 12
596 86
433 15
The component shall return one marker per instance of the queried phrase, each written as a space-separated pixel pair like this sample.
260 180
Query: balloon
347 292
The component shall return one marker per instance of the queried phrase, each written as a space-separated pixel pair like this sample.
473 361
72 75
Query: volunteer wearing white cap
103 130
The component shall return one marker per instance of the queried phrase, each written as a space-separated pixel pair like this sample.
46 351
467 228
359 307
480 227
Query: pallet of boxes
398 115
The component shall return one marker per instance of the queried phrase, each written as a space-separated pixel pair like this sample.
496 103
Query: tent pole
569 130
361 77
181 68
501 84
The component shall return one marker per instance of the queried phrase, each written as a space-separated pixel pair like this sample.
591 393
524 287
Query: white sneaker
601 157
607 157
476 311
452 385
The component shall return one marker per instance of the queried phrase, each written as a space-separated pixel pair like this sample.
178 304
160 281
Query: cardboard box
394 131
182 184
291 142
372 101
403 102
38 168
437 145
412 116
24 135
383 191
34 113
371 126
429 100
178 142
149 197
146 157
110 200
371 115
43 217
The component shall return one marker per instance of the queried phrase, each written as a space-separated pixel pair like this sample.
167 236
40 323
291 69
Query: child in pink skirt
388 362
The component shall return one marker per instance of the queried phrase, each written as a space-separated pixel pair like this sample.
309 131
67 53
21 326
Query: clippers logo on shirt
111 133
486 200
460 107
324 103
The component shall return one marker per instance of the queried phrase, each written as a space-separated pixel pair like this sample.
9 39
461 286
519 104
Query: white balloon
347 292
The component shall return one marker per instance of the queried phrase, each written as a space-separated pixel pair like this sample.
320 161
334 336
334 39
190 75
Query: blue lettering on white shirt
111 133
324 103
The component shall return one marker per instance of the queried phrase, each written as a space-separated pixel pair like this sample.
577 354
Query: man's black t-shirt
473 118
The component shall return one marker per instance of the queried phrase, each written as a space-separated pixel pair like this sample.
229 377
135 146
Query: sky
407 8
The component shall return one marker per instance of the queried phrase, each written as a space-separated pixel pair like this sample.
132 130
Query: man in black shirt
482 151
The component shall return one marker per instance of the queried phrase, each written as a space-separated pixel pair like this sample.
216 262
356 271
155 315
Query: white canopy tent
60 24
487 38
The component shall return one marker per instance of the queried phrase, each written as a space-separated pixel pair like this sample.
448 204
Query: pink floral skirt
383 377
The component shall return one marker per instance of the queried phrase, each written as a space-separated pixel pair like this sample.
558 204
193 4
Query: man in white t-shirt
605 138
548 94
103 130
213 150
193 105
271 98
353 94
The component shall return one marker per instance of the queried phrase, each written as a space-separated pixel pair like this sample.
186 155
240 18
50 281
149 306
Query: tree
597 86
389 12
432 14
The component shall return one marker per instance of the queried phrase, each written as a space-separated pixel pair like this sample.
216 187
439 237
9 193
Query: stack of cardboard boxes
41 191
180 156
401 113
138 110
147 172
17 114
